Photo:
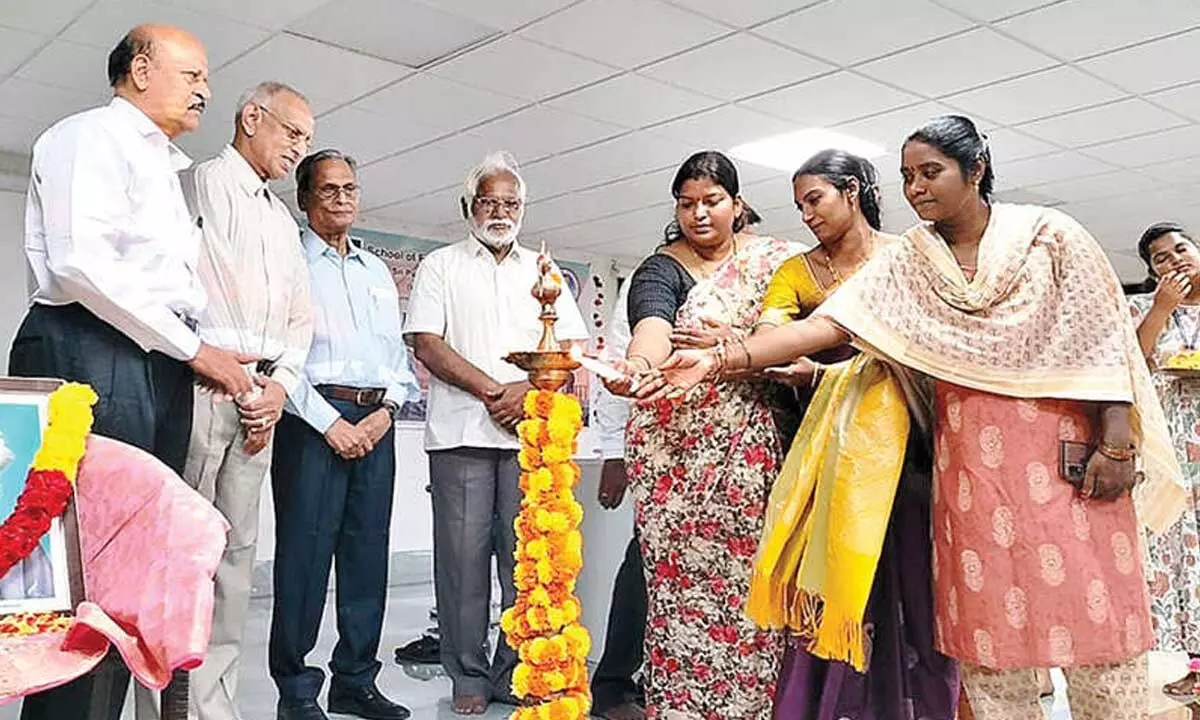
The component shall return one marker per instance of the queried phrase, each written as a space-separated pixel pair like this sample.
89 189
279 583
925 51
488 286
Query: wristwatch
392 408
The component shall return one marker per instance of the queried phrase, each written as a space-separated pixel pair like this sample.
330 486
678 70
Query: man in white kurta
253 270
470 306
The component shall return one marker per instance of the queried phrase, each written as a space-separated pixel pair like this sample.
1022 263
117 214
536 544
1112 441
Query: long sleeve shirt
251 266
612 412
483 309
356 338
106 226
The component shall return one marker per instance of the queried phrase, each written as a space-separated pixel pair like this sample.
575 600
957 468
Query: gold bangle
1117 454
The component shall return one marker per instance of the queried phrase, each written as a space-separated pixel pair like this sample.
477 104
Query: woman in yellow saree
1045 418
854 432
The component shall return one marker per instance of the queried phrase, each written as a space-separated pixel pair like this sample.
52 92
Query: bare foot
625 711
470 705
1183 687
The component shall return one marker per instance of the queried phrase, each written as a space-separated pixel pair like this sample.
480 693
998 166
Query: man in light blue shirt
334 459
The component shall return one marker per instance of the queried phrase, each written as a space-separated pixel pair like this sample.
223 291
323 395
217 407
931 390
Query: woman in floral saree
891 671
700 471
1042 407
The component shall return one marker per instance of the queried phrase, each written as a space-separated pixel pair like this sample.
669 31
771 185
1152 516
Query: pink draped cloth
150 547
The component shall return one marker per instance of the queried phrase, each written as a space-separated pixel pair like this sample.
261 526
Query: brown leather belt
363 397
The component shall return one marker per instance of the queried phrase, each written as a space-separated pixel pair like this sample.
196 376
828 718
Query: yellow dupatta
829 509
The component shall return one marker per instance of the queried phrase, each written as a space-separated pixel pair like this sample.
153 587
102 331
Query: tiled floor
407 617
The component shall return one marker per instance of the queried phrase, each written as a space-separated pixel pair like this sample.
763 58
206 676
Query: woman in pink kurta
1017 315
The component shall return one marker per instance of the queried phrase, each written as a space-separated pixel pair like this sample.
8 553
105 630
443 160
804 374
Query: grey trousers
220 470
476 498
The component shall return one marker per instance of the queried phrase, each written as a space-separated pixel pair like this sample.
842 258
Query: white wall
13 292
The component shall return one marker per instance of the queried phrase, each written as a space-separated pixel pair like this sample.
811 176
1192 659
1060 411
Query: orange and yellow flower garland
48 487
543 625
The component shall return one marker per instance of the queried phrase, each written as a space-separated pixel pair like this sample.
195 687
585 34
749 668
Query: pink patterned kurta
1027 573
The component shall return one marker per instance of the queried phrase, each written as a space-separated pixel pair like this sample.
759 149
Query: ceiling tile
992 9
1152 66
770 196
648 222
1184 100
1100 124
326 74
1039 95
272 14
1095 187
403 31
439 208
830 100
369 136
422 170
437 102
939 68
648 30
1008 145
44 104
68 65
504 66
104 23
1078 28
1149 149
1047 168
760 66
722 128
619 158
1174 172
624 195
879 28
889 129
42 18
633 101
742 13
506 15
536 132
17 134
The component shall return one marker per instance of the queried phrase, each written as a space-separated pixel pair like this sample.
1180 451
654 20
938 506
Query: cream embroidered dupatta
1044 317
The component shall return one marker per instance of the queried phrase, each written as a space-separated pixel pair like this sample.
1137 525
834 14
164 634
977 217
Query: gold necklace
700 261
833 272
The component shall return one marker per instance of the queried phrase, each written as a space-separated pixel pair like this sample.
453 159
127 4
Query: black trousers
328 510
624 639
146 401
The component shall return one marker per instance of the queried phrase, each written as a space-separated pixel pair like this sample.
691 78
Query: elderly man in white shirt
470 306
113 251
253 269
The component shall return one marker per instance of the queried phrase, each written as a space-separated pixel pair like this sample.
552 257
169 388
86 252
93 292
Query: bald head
163 70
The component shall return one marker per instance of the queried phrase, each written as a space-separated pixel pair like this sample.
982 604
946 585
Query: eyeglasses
490 204
295 135
332 192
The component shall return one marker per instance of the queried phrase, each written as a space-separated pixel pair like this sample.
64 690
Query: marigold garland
48 487
543 625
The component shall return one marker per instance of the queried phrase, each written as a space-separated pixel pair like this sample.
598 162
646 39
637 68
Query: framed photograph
51 577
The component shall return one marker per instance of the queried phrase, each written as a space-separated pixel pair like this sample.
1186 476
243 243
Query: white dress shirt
612 412
483 310
106 226
252 266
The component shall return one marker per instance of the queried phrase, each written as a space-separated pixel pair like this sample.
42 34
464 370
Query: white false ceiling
1091 105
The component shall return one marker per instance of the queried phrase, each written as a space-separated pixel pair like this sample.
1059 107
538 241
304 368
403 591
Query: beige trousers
1104 692
220 470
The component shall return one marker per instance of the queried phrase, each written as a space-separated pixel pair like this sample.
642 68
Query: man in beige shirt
256 278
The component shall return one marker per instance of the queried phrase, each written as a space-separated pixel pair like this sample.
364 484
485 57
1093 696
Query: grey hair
495 163
262 94
308 167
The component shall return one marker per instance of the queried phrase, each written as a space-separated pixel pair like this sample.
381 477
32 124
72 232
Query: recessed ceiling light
789 151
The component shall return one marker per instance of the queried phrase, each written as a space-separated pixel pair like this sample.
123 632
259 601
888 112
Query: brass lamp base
548 369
